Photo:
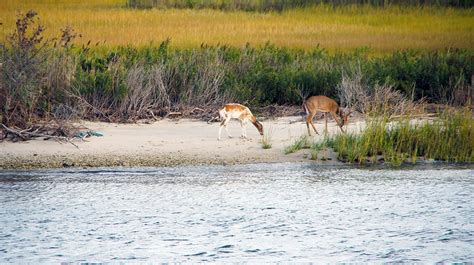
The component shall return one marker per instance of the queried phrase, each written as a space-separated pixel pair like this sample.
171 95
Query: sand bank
163 143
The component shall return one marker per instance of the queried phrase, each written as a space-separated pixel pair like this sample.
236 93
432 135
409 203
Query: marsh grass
449 137
317 147
280 5
109 23
267 138
302 142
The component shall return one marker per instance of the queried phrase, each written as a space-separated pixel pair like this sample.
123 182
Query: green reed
267 139
449 137
302 142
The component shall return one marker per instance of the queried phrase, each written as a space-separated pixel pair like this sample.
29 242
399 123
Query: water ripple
255 213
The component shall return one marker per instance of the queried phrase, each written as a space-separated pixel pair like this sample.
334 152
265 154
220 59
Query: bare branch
24 134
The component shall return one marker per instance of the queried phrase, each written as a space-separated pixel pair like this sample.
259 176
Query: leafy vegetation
270 75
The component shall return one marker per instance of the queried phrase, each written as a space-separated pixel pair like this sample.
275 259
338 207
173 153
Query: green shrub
272 75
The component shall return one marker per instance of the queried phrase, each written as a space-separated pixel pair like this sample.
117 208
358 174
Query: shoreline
23 164
126 161
183 142
166 143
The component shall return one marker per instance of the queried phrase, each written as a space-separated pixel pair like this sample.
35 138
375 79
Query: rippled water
266 212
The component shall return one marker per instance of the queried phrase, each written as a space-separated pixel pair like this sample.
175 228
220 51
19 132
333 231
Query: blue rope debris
84 134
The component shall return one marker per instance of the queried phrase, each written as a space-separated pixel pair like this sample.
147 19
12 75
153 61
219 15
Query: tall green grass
449 137
267 138
302 142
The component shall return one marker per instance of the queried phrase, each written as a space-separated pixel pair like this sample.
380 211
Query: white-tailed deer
327 105
240 112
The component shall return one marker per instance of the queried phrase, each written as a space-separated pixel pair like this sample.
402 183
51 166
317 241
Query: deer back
321 103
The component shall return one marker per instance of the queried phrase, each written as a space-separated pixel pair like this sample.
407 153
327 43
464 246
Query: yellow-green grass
336 29
450 137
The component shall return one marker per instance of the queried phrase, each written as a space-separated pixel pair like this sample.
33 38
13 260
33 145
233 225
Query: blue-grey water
263 212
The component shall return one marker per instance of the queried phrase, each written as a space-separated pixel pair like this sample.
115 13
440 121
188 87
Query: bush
128 83
22 72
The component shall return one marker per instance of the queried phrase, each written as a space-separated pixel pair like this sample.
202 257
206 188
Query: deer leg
309 120
307 123
244 131
224 124
307 126
326 122
337 121
220 130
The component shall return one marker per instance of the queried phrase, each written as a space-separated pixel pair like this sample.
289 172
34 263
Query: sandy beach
164 143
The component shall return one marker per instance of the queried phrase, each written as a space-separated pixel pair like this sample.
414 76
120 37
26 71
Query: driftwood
297 120
24 135
197 110
152 114
174 113
215 118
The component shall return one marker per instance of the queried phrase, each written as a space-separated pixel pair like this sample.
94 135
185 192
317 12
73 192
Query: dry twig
24 134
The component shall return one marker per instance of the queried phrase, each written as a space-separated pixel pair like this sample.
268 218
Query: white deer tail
222 114
305 108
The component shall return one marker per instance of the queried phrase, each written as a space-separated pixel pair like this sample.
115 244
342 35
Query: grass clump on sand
317 147
449 137
303 142
267 139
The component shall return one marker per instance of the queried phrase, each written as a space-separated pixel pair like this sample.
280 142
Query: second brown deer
315 104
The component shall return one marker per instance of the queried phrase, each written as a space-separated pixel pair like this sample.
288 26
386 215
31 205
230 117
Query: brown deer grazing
240 112
327 105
